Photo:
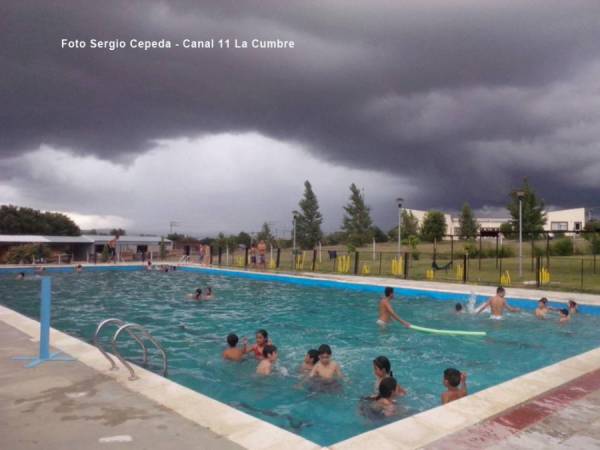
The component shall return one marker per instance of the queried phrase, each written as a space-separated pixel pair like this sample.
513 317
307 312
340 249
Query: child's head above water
388 291
500 291
232 340
572 304
382 367
451 377
564 312
312 357
387 387
324 354
262 337
270 352
208 290
543 301
458 307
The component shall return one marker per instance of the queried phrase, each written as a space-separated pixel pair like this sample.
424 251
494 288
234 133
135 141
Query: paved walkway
67 405
565 418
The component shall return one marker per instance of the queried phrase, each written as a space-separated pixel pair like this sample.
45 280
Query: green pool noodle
448 332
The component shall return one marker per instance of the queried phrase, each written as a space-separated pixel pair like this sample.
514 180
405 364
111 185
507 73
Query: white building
561 220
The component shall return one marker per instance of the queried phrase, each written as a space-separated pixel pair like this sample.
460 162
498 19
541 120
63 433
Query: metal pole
399 231
520 237
373 249
294 246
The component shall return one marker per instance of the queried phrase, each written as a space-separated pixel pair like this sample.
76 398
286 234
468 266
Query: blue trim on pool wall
528 304
438 295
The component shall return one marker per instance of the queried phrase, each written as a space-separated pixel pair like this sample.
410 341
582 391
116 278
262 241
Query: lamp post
520 196
399 201
294 241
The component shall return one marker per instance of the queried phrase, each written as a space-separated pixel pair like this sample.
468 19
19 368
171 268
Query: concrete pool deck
61 405
425 429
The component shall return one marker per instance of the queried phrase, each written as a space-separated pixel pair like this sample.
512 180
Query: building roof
126 239
85 239
38 239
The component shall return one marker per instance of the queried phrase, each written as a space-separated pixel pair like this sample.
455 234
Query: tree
410 226
265 234
244 239
335 238
507 230
592 234
308 219
434 226
357 222
468 226
175 237
534 217
379 235
17 220
118 232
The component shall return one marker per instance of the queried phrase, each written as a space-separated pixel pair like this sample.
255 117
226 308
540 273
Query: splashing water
471 303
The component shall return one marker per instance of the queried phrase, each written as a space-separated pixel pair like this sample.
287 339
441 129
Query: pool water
299 318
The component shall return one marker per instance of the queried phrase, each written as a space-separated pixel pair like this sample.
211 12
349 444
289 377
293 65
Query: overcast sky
437 101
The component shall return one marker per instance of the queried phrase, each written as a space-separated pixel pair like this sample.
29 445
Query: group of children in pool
319 364
498 303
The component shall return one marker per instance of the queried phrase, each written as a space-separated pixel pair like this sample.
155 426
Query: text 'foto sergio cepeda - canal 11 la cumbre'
119 44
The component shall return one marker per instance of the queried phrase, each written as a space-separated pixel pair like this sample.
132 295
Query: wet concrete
67 405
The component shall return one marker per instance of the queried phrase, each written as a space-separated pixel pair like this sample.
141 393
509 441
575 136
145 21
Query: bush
27 253
562 247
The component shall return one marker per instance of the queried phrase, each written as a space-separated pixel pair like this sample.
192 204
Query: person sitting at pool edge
497 304
458 308
262 339
383 369
386 312
564 316
326 368
311 358
265 366
234 353
456 385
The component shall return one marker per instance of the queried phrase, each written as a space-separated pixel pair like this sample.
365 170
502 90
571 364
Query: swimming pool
299 317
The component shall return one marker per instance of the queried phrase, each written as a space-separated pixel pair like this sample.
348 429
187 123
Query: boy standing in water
497 304
386 312
326 368
234 353
564 316
265 366
456 383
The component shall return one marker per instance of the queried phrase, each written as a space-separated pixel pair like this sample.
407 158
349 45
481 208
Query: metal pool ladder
139 334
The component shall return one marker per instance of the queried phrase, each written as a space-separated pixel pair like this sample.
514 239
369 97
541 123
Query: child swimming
542 309
572 307
265 366
386 312
326 368
383 369
564 316
262 339
209 294
386 391
497 305
310 359
234 353
458 308
197 295
456 385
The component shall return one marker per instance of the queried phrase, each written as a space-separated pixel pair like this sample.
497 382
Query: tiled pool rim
252 433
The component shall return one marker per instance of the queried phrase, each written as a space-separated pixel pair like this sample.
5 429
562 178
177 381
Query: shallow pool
299 318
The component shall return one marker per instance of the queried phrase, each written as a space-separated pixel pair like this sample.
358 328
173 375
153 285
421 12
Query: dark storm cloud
464 98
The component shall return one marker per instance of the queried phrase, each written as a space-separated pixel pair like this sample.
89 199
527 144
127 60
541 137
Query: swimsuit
493 317
257 352
381 323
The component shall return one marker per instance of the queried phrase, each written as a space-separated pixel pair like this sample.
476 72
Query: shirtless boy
326 368
542 309
234 353
386 312
265 366
456 383
497 304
